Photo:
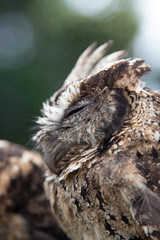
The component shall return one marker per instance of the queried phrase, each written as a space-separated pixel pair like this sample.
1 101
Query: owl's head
90 108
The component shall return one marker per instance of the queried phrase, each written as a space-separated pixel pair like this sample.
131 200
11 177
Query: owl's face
86 113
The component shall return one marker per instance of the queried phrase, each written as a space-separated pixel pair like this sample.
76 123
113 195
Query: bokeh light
147 41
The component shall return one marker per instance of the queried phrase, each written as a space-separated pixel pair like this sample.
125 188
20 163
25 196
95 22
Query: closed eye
74 111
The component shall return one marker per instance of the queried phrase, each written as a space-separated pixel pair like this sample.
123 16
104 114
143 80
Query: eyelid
76 109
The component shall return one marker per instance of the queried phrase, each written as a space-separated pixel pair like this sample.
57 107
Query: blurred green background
40 41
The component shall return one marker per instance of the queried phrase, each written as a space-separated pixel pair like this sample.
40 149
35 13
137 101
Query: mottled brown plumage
100 134
24 209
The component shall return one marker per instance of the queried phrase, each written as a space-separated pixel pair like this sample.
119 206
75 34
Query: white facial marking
53 113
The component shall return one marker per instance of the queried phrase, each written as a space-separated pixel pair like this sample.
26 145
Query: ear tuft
123 74
131 73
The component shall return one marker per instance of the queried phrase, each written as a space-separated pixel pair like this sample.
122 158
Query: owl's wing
147 207
137 179
24 210
143 192
146 211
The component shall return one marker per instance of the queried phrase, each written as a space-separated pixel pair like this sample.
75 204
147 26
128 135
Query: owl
100 136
